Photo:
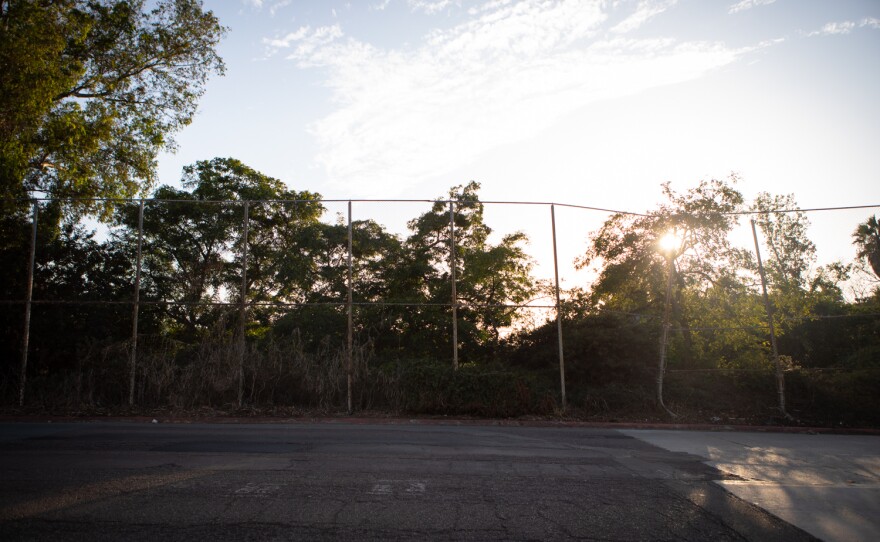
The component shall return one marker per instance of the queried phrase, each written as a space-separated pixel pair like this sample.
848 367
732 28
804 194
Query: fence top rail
323 200
434 201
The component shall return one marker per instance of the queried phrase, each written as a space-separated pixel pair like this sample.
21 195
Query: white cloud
870 22
507 73
306 43
380 6
274 8
833 29
845 27
748 4
644 11
431 6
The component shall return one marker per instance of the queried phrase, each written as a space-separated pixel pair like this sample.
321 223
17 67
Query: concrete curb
397 420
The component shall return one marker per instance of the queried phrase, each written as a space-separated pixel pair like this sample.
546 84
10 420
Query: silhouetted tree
866 238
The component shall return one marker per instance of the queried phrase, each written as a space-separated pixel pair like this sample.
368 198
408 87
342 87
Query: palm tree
867 239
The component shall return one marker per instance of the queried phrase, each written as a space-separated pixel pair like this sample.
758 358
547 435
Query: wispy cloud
507 73
748 4
832 29
307 43
432 6
274 7
645 10
845 27
871 22
277 6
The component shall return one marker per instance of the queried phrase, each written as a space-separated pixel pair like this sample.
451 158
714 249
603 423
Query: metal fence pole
454 293
780 376
136 306
349 310
27 308
558 308
243 305
664 336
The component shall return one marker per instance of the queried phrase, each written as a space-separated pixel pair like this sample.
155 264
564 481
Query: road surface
298 481
828 485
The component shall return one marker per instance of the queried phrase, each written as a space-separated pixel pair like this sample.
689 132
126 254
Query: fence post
664 335
558 308
136 306
454 293
27 308
350 336
242 310
780 376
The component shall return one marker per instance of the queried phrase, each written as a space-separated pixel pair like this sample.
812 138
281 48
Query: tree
633 269
377 256
88 285
866 238
193 240
638 274
792 253
488 275
92 90
795 286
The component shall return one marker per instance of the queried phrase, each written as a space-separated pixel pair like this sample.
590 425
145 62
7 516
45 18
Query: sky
587 102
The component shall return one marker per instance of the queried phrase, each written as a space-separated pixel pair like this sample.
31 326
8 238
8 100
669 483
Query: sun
670 242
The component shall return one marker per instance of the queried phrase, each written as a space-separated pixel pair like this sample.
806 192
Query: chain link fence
548 309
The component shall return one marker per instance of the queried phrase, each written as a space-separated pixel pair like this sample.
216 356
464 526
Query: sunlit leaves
91 91
632 267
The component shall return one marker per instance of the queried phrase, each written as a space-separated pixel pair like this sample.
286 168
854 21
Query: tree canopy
632 265
193 240
92 90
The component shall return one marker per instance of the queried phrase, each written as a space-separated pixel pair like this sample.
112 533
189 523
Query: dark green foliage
296 290
842 396
487 276
829 398
72 267
193 242
840 335
609 361
428 387
600 349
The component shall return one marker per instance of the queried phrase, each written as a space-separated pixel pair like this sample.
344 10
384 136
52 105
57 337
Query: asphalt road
114 481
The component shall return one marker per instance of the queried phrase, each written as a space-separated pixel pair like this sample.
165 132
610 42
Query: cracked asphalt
112 481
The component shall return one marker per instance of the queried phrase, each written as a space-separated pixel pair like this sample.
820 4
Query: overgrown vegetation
296 286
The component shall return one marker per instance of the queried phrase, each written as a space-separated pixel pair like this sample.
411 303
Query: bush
836 397
430 387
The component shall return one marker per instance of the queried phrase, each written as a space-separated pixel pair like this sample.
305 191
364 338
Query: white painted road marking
416 487
257 490
381 488
410 487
